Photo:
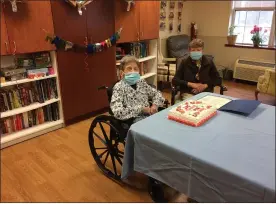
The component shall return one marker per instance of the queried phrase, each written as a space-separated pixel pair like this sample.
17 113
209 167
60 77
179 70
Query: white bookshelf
143 59
28 133
21 81
27 108
151 60
147 75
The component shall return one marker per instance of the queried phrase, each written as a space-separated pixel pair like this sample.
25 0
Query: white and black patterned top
127 102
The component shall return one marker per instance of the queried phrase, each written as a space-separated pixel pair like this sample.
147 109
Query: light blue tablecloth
230 158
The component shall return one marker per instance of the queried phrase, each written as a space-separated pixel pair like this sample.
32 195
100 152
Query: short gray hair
196 43
127 59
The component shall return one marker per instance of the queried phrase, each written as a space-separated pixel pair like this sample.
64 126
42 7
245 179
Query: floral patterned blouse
128 102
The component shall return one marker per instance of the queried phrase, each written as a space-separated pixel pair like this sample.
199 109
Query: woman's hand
150 110
153 109
147 110
193 85
202 87
197 87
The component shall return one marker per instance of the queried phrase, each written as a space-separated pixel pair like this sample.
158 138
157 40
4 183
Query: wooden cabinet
129 20
73 78
79 87
149 19
5 46
140 23
100 26
25 27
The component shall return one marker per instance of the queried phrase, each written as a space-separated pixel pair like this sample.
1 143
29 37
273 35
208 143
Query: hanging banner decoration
62 44
79 4
13 4
129 2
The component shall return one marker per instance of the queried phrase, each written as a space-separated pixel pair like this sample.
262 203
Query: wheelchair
106 139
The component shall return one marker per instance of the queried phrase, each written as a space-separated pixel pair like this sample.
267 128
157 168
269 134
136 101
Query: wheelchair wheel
106 145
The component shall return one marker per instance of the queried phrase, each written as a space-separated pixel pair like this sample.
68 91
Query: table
230 158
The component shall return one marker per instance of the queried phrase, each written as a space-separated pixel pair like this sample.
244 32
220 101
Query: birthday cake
193 113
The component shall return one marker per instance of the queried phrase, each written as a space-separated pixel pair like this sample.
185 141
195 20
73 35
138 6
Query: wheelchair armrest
175 90
221 89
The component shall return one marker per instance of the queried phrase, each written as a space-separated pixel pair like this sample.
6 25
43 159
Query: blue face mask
196 55
132 78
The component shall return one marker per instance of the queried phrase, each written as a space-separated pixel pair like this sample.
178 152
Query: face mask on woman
132 77
196 55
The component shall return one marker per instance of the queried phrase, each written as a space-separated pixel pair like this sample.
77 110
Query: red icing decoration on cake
191 123
194 109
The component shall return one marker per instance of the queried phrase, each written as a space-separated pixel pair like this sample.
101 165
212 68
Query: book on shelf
143 68
137 49
25 95
29 119
142 71
30 66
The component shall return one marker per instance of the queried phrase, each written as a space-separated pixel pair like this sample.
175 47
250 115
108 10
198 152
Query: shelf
147 75
22 135
21 81
141 59
27 108
146 58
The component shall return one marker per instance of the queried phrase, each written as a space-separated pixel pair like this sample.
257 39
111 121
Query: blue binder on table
242 107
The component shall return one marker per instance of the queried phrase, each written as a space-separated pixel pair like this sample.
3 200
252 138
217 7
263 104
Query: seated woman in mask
197 72
131 94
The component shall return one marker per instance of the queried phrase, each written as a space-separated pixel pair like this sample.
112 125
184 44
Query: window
246 14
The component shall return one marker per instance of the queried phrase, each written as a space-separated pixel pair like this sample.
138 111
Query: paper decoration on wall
129 3
89 48
179 27
162 25
163 4
13 4
79 4
171 27
172 5
179 16
180 5
162 15
171 16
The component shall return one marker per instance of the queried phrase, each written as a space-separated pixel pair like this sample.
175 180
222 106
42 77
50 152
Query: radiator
250 70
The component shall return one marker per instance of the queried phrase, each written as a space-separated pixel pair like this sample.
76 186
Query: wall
184 22
212 18
185 26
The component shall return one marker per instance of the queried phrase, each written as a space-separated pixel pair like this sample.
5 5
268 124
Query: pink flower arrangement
258 37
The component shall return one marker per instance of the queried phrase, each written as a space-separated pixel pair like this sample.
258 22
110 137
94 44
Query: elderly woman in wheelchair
131 100
196 73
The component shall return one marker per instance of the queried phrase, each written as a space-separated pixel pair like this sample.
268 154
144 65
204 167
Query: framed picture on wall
179 27
180 5
171 26
163 4
171 15
172 5
162 25
179 15
162 15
